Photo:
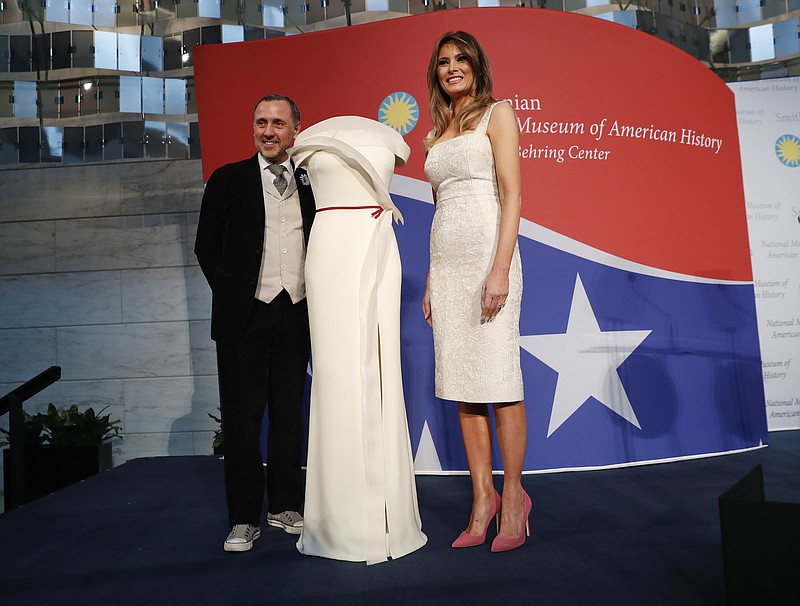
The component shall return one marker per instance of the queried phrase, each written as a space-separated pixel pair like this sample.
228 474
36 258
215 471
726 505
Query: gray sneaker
290 521
241 537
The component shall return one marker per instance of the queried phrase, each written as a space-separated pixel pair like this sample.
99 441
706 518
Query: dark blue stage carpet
150 533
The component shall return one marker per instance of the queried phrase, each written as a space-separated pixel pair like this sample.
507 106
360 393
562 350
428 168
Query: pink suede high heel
508 543
471 540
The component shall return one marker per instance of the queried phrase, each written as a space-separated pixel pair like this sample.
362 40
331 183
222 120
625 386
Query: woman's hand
426 307
426 304
493 294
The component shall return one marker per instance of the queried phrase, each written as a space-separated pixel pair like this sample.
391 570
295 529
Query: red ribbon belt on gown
377 211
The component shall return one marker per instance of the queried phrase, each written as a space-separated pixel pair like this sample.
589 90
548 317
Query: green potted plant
61 447
216 443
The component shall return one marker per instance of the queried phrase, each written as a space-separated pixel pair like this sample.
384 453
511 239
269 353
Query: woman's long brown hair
481 94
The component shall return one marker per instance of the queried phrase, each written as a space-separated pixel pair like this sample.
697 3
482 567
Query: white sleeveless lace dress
475 362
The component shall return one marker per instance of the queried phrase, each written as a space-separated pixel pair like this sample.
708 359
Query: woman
361 500
472 300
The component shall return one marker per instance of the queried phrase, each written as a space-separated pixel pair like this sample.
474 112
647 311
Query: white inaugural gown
361 501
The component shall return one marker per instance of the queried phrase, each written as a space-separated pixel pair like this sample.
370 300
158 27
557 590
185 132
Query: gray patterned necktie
280 181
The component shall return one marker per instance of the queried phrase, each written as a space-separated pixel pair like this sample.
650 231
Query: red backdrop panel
670 204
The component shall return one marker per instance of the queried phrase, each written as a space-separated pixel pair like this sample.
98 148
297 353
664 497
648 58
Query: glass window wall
105 50
152 54
133 140
40 52
66 99
742 38
232 33
191 38
128 14
84 49
155 139
153 95
87 97
272 13
739 45
787 41
105 13
5 54
52 142
80 12
208 8
174 96
61 50
8 146
211 34
129 56
762 47
6 99
107 93
726 13
28 144
130 94
749 11
73 144
20 53
112 141
57 11
93 143
173 51
177 140
25 100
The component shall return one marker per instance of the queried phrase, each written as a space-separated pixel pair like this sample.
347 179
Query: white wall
97 275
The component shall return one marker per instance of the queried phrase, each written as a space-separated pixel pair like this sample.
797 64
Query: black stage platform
150 533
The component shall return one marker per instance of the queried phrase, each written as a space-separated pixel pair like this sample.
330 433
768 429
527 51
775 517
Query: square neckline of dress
472 132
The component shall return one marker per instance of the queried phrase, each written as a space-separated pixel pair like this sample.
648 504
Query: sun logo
787 148
400 111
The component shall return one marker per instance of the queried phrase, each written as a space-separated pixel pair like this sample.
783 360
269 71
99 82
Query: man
251 237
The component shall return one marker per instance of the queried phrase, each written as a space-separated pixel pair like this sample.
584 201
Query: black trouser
266 368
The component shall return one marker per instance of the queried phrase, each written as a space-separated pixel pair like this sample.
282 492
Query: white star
426 459
586 360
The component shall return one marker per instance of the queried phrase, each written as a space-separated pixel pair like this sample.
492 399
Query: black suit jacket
230 241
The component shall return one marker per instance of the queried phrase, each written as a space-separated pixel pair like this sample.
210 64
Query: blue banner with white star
620 366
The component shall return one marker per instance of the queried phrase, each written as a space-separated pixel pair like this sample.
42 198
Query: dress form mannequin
361 502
